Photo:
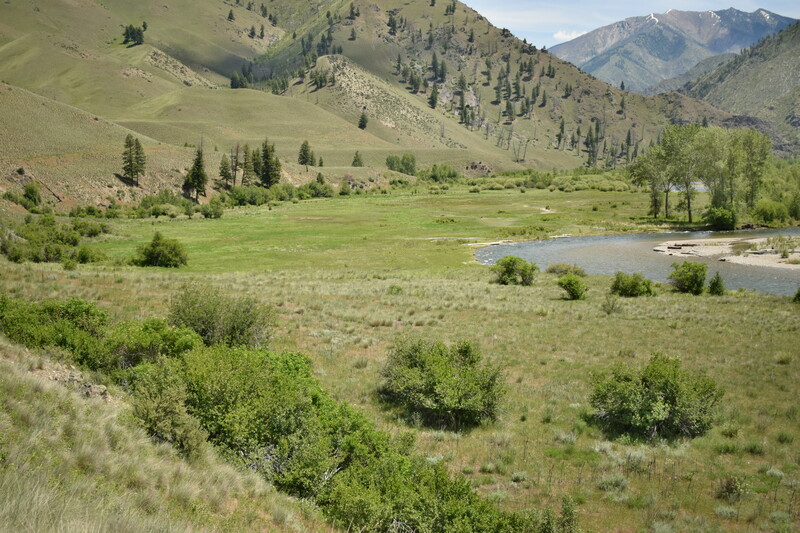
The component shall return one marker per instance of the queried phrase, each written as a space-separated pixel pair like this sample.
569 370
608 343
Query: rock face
644 51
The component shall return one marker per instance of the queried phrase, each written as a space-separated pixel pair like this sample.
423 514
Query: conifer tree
357 160
434 98
129 157
304 157
230 16
270 165
362 120
225 170
196 179
140 160
247 166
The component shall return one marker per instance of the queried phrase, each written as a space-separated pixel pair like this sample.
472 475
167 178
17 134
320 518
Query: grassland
69 463
349 275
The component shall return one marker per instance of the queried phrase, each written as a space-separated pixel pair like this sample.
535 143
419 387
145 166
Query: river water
609 254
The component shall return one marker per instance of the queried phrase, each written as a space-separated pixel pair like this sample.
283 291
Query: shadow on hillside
126 180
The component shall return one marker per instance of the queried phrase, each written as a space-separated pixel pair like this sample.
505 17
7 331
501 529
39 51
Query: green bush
688 277
158 400
128 344
213 209
562 269
74 325
574 286
659 401
769 211
716 286
632 285
220 318
512 270
161 252
720 218
796 298
445 386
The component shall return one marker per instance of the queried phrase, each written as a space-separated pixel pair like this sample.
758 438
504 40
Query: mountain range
643 51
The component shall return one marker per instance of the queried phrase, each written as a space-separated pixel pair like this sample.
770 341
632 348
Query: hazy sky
549 23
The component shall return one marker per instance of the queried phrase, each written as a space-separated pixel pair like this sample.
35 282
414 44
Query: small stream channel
608 254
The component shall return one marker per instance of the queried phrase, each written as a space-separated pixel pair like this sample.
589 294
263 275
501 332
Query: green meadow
350 275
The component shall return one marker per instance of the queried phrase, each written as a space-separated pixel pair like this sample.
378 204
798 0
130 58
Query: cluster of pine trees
134 34
260 164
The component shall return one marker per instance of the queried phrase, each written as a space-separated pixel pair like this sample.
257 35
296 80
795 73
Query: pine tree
225 170
196 179
129 157
230 16
434 98
357 161
362 120
271 166
247 166
304 157
140 160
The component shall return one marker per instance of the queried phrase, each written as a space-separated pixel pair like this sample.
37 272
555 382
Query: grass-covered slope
75 463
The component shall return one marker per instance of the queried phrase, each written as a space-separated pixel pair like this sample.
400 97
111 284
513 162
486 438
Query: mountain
643 51
701 69
762 82
312 68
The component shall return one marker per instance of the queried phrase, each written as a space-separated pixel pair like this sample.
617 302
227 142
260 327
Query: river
633 252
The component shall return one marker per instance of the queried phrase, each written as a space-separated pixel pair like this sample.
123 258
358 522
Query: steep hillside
502 104
763 82
643 51
701 69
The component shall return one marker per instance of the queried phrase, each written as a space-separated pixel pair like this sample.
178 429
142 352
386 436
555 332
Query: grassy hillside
168 89
71 463
763 81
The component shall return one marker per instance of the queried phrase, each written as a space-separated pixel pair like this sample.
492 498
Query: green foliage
512 270
561 269
407 164
344 188
574 286
632 285
659 401
357 160
197 178
446 386
716 286
796 298
720 218
161 252
220 318
441 173
131 343
159 399
74 324
363 119
159 204
31 193
42 240
213 209
769 211
688 277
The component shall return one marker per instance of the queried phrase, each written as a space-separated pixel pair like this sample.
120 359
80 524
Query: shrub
161 252
688 277
716 286
574 286
446 386
220 318
731 489
159 402
213 209
660 400
512 270
632 285
128 344
562 269
796 298
768 211
720 218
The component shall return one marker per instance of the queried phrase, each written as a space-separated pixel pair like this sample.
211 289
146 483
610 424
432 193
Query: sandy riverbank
730 250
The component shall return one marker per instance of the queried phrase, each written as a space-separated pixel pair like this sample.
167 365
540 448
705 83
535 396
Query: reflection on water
608 254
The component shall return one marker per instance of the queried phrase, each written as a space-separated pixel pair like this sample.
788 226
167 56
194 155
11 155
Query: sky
549 23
